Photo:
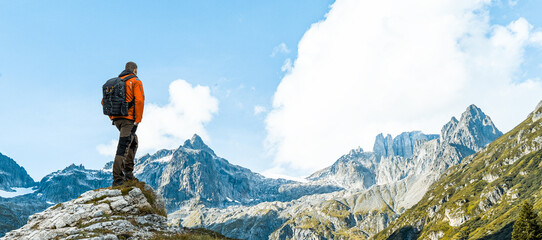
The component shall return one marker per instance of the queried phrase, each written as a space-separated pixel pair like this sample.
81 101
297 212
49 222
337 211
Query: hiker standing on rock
123 101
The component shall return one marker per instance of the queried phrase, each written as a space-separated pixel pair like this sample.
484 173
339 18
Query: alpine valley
466 183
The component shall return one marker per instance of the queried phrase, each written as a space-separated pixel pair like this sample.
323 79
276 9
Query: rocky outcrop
133 211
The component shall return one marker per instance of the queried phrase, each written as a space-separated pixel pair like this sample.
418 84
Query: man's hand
136 123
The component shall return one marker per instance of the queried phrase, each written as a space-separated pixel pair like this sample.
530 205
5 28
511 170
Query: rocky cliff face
403 145
479 198
12 175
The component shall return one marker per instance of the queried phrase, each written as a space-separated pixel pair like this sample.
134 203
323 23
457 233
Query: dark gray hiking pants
126 149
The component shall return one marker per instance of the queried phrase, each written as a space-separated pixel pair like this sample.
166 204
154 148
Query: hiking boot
130 177
117 183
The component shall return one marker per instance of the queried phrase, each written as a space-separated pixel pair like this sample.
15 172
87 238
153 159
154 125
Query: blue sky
55 55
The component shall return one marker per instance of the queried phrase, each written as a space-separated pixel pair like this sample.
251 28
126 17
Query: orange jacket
134 90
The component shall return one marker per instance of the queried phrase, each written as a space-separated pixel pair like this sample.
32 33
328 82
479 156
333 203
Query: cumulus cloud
392 66
281 48
108 149
189 108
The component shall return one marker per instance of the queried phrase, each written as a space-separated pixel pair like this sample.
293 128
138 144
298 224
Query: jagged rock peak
383 146
474 130
356 151
406 143
448 128
12 175
73 166
403 144
133 211
474 115
196 143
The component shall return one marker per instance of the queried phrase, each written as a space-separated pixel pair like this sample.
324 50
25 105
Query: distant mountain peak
403 144
473 109
383 146
196 143
356 151
12 175
475 115
474 130
73 166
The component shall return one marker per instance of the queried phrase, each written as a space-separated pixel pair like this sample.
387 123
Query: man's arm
139 97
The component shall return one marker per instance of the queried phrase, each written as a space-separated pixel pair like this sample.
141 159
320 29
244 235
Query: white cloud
281 48
108 149
189 108
394 66
259 109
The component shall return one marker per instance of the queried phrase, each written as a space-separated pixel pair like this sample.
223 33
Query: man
123 165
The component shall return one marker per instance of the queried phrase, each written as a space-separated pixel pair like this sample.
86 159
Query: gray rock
84 218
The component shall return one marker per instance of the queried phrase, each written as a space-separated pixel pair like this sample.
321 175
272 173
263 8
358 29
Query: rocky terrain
356 197
194 175
480 197
378 187
132 211
56 187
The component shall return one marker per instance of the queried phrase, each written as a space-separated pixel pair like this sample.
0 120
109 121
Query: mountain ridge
479 198
204 187
363 203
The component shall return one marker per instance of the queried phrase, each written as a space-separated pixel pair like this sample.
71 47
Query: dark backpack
114 97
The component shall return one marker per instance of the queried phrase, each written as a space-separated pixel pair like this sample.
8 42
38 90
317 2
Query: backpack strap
131 103
128 78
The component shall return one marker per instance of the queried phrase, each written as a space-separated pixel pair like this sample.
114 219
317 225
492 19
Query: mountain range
376 187
480 197
358 196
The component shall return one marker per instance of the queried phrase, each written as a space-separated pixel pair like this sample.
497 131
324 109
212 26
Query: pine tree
527 226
